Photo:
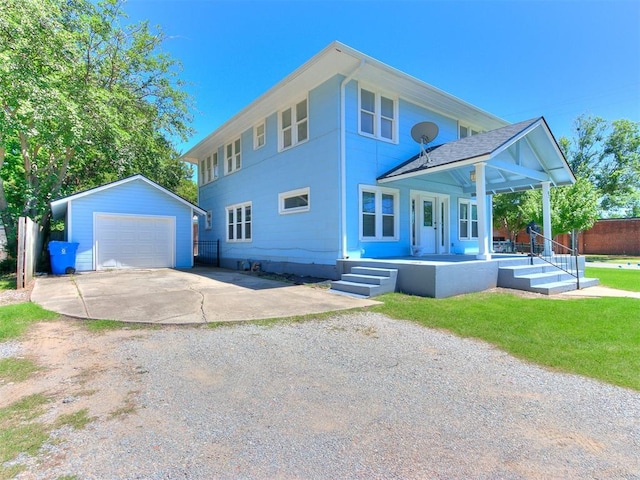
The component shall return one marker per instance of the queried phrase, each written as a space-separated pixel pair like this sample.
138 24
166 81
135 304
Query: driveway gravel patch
355 396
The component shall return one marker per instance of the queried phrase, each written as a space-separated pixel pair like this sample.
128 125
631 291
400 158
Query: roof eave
246 117
436 169
60 205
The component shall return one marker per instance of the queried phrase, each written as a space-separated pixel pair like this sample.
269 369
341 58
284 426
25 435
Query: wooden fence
28 232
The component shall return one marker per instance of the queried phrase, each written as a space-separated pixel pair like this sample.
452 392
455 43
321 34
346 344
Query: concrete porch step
370 279
364 289
521 270
383 272
367 281
553 288
540 278
547 277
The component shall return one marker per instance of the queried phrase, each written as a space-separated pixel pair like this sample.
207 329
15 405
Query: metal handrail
565 259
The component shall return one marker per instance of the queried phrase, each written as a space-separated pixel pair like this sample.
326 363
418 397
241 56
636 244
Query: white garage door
124 241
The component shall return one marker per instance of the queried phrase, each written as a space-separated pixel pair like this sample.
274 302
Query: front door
427 222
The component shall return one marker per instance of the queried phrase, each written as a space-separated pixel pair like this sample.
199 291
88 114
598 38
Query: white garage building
130 223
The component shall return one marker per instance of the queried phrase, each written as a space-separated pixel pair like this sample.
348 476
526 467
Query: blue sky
515 59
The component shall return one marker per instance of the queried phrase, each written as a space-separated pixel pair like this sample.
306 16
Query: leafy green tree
608 155
509 212
573 207
188 189
83 100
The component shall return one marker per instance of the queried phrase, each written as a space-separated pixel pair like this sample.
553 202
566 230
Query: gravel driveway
355 396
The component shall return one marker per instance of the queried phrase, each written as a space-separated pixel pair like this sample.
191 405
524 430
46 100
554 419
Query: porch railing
206 252
558 255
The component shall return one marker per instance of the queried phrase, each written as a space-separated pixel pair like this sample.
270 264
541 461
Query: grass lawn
613 259
8 282
596 337
616 277
14 319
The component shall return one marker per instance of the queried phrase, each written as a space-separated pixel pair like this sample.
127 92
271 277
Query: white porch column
481 200
546 216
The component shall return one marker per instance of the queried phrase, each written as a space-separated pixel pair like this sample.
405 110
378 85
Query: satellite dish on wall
424 133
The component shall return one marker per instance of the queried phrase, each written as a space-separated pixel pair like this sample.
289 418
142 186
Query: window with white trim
465 131
378 213
202 171
378 115
294 201
467 219
208 168
214 166
294 125
259 135
233 157
239 222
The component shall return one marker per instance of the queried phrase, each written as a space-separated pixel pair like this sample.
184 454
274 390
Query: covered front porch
451 185
450 189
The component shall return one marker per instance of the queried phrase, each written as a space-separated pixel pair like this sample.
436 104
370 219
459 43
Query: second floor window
465 131
294 125
214 166
233 158
259 136
209 168
378 115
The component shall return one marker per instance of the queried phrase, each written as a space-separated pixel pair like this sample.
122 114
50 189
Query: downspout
343 163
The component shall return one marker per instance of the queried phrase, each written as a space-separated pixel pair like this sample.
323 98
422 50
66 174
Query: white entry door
427 224
132 241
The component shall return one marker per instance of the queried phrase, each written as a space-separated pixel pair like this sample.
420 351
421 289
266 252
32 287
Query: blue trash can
63 257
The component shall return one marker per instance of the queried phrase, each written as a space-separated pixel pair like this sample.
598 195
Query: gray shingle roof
463 149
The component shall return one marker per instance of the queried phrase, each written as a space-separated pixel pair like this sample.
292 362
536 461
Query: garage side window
239 223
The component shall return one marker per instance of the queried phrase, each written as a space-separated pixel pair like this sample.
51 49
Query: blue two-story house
324 167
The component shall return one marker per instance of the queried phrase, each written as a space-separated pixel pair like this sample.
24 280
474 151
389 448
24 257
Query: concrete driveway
166 296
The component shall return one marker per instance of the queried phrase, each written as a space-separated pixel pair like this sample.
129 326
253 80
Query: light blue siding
368 159
313 237
307 238
133 198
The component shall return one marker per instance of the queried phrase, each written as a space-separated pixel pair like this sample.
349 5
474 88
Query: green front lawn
624 279
613 259
596 337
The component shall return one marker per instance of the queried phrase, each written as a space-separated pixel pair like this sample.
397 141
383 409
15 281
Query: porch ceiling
518 157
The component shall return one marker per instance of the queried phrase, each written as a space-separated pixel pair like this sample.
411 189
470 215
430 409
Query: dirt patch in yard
10 297
78 371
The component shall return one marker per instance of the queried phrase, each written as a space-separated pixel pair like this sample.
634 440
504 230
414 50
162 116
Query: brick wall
614 236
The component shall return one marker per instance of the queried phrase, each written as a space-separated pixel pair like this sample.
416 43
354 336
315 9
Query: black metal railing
206 252
524 247
558 255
